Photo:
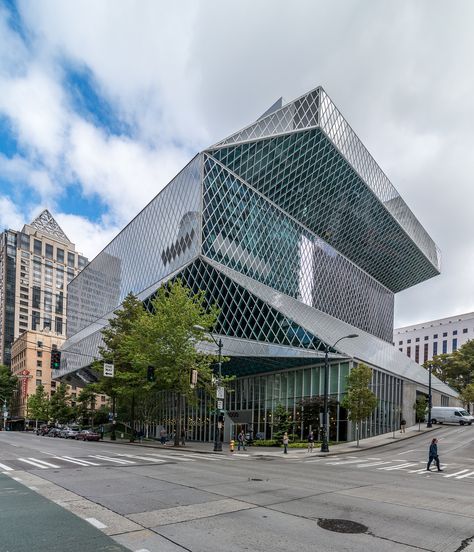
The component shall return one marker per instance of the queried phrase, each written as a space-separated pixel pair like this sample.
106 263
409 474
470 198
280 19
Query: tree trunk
132 419
357 431
177 433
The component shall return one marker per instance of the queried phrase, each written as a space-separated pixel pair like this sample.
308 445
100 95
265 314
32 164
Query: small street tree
85 406
165 336
359 400
60 410
420 406
38 405
467 395
8 382
281 422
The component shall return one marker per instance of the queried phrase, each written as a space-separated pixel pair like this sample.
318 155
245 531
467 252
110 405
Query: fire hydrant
231 446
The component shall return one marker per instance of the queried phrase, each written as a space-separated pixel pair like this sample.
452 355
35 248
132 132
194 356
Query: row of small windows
444 349
61 256
435 336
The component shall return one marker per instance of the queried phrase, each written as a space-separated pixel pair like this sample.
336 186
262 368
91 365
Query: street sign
220 392
108 370
220 404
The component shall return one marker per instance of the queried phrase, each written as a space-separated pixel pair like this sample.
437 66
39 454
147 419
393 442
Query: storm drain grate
342 526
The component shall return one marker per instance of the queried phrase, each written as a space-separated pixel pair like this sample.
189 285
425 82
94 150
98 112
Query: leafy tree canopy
457 368
38 405
359 400
8 382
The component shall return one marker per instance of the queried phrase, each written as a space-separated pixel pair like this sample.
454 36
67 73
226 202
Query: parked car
68 433
53 432
43 429
88 435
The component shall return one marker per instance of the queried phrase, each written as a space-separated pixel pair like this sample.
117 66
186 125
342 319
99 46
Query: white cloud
10 216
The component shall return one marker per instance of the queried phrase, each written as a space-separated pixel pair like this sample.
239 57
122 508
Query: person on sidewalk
241 440
163 436
285 443
310 441
403 424
433 455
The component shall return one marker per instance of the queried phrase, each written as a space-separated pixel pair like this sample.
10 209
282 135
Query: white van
450 415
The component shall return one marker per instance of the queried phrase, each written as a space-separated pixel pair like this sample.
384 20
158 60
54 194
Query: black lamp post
325 443
218 437
429 424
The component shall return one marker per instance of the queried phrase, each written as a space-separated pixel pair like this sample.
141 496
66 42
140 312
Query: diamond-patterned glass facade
246 232
293 230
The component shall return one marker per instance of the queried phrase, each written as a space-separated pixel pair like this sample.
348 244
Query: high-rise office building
294 231
36 264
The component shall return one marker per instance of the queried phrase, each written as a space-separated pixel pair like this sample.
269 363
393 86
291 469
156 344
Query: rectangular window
48 301
426 338
39 353
425 352
48 251
59 277
39 373
464 330
47 323
435 336
35 320
455 344
59 303
38 382
408 340
417 340
70 259
435 348
59 325
38 249
36 297
445 334
417 353
455 332
60 255
445 347
70 274
400 342
408 351
24 241
82 261
39 363
401 349
39 343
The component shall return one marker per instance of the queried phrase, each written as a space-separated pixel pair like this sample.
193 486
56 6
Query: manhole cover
342 526
255 479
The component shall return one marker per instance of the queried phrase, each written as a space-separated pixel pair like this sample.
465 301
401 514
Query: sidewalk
342 448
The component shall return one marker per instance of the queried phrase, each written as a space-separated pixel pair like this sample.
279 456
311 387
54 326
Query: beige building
36 264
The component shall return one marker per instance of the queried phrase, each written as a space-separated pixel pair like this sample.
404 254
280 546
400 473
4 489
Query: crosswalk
107 459
415 467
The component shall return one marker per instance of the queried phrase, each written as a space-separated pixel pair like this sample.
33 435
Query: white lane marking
422 470
407 451
465 475
43 462
238 455
146 458
142 550
36 465
399 467
6 468
372 458
172 456
32 488
108 459
454 474
11 444
48 453
374 464
344 462
86 462
72 461
96 523
211 457
312 460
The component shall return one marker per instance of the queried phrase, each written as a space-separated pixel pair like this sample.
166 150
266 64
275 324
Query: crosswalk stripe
172 456
5 468
344 462
86 462
374 464
454 474
398 467
211 457
72 460
117 460
48 464
465 475
35 464
146 458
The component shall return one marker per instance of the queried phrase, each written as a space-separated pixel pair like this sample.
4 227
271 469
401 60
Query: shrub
265 443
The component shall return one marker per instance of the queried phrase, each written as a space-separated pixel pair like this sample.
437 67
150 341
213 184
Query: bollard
231 446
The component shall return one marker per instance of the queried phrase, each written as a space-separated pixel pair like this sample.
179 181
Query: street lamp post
429 424
325 441
217 424
5 412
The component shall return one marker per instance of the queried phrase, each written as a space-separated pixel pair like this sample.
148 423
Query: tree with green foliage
164 336
8 383
457 368
467 395
85 406
38 405
359 400
60 410
129 377
420 406
281 422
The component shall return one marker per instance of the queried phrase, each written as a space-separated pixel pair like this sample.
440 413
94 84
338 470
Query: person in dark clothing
433 455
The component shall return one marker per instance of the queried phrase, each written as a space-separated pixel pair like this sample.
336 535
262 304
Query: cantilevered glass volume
291 227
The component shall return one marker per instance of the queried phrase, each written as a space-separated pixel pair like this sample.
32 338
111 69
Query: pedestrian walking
183 437
163 436
403 424
433 455
285 443
241 440
310 441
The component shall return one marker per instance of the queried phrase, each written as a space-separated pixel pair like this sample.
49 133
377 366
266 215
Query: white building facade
421 342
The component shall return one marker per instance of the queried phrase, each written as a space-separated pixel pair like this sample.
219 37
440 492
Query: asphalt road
162 500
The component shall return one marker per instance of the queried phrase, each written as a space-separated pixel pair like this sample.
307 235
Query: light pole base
218 447
324 447
429 424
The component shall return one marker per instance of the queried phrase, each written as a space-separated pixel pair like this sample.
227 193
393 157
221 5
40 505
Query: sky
102 103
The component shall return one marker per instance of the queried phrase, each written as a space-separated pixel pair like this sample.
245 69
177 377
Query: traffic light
55 359
150 374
